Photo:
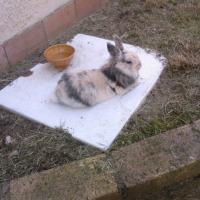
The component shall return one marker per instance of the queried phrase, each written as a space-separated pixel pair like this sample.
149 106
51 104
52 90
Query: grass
170 27
165 109
39 148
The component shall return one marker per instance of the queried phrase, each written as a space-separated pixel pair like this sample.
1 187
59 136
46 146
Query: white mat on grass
98 125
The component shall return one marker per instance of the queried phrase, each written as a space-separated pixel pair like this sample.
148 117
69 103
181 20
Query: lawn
169 27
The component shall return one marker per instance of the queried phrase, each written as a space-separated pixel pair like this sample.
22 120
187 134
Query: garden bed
170 27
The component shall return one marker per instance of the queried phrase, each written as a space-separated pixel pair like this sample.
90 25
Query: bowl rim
54 47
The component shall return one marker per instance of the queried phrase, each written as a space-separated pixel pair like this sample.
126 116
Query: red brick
86 7
140 169
159 161
90 178
4 65
59 21
25 44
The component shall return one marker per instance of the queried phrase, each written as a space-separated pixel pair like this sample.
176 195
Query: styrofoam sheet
98 125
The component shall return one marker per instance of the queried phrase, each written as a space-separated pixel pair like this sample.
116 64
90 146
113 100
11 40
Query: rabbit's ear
113 50
118 42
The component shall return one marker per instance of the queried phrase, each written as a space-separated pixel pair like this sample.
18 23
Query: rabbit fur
79 88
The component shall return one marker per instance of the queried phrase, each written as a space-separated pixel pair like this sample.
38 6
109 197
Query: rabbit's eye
128 62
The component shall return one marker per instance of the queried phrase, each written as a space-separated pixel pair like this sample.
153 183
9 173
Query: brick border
131 172
159 161
23 45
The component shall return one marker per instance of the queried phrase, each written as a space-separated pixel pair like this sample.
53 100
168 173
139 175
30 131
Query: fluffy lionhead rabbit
82 88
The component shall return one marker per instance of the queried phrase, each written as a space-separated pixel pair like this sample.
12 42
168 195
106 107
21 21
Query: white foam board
98 125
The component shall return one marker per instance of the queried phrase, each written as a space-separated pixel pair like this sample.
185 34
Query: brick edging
23 45
160 161
130 172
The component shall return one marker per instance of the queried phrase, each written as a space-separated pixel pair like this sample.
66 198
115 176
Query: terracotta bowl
60 55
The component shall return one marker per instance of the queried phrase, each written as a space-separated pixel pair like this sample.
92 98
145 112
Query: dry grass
38 147
174 102
172 28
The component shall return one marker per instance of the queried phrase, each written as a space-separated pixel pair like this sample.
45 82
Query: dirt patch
171 27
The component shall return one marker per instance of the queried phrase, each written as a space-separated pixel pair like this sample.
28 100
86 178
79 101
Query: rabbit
80 88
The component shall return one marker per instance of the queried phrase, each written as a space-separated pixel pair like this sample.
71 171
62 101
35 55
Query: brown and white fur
82 88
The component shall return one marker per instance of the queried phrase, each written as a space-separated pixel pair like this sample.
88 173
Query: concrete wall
19 15
26 25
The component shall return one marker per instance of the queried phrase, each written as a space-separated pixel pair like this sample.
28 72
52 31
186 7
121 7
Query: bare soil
170 27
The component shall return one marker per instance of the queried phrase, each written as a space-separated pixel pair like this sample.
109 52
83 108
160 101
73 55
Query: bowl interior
59 52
